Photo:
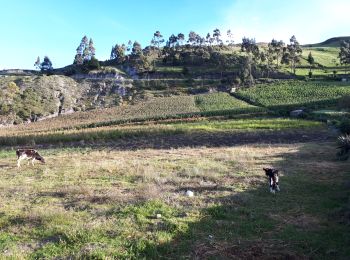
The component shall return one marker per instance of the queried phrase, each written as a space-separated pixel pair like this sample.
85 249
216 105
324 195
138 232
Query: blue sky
31 28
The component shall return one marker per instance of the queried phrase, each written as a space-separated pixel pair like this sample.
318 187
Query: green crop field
295 94
219 101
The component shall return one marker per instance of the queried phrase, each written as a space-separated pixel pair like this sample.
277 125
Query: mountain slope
331 42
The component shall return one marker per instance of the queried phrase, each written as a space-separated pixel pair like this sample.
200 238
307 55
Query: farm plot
153 109
287 95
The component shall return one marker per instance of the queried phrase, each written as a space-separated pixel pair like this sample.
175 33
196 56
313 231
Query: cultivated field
156 108
289 95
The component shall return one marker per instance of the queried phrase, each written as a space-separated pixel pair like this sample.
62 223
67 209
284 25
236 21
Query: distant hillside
331 42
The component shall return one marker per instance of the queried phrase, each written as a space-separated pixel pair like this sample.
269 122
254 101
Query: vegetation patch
287 95
218 101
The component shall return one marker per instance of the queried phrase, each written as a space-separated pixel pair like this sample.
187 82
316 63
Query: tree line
179 50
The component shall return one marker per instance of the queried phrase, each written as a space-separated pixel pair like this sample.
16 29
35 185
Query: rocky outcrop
58 94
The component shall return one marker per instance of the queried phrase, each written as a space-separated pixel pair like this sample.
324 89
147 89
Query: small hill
331 42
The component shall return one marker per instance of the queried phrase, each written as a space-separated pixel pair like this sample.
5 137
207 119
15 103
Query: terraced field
153 109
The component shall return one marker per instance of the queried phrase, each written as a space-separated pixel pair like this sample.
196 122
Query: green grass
249 124
316 72
325 56
115 133
287 95
99 203
219 101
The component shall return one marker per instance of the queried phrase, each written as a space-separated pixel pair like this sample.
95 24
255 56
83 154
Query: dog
273 179
28 154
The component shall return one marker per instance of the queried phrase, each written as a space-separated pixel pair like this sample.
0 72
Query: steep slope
31 98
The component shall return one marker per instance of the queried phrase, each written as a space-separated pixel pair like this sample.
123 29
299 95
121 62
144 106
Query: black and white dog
273 179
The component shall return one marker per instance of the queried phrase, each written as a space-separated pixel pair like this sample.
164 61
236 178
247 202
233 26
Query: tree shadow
180 139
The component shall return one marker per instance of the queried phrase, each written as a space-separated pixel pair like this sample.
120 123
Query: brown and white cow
273 179
28 154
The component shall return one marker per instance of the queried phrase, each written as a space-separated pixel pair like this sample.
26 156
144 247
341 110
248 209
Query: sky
32 28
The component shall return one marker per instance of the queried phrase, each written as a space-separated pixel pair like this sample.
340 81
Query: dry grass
95 202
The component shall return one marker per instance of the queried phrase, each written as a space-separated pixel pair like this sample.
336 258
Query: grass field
102 202
325 56
295 94
166 128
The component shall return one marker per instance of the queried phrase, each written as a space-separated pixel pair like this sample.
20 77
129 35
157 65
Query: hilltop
331 42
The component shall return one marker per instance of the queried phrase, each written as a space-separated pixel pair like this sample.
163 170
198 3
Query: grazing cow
273 179
28 154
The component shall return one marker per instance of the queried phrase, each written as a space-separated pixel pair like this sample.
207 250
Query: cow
273 179
28 154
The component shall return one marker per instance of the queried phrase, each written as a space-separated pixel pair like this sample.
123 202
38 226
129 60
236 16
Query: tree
118 53
277 48
172 41
157 39
222 61
85 51
344 54
292 53
207 39
180 38
91 49
229 40
46 65
250 47
269 57
311 61
245 72
129 46
192 38
136 49
79 57
217 35
37 63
